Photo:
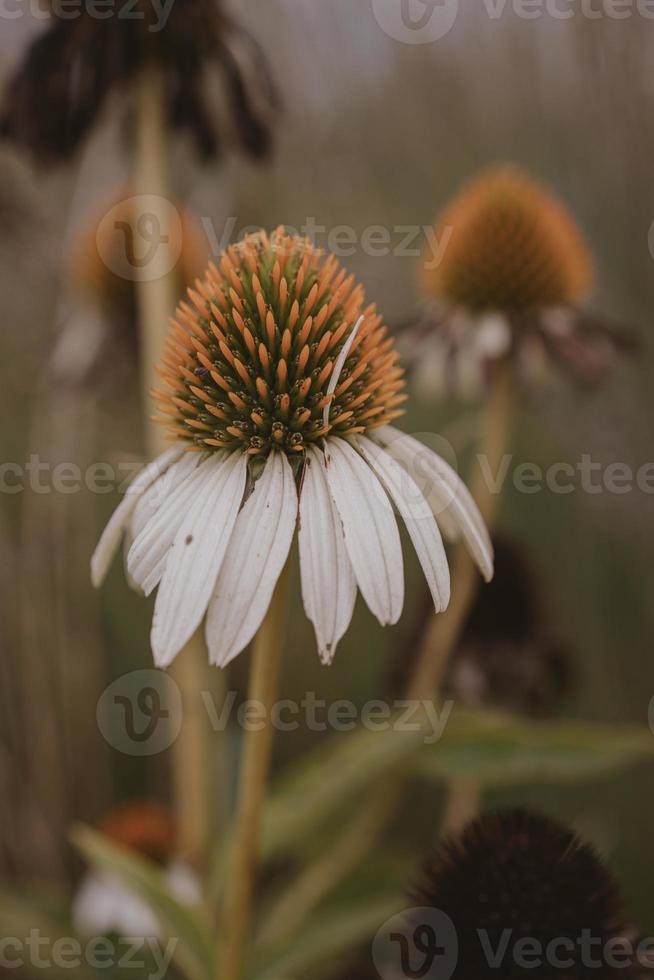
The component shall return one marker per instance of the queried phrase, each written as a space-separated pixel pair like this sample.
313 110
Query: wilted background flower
512 281
98 338
102 906
60 89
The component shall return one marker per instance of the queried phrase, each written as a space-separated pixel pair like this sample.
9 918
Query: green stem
253 778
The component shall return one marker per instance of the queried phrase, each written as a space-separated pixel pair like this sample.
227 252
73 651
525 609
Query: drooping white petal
195 557
446 492
146 559
110 539
328 584
371 535
151 501
255 558
417 515
338 368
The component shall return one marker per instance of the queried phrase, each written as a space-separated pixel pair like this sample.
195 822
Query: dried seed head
142 826
248 363
511 247
192 42
527 874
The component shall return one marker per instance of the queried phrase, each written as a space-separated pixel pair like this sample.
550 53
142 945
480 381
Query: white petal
110 539
195 557
150 503
255 558
446 492
158 493
416 514
102 905
338 368
371 535
146 559
328 585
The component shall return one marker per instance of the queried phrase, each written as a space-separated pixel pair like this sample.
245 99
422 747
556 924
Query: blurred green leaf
21 916
501 750
323 782
194 951
328 937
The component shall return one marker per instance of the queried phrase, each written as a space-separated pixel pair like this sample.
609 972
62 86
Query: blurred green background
373 132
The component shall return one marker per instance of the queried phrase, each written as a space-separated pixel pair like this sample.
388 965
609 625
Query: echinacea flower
201 51
280 387
103 905
98 335
512 282
519 875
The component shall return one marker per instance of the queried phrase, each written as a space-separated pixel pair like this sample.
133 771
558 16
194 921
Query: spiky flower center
249 362
510 247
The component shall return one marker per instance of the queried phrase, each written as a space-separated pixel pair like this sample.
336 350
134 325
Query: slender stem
253 778
156 292
462 806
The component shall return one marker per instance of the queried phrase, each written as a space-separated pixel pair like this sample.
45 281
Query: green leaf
332 934
501 750
194 950
21 917
323 782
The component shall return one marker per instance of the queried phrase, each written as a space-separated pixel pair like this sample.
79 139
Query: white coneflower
103 905
280 387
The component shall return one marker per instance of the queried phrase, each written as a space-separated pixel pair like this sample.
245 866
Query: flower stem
156 294
444 632
253 778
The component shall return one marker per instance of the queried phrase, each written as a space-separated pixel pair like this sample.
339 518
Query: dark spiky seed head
248 362
525 873
510 247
